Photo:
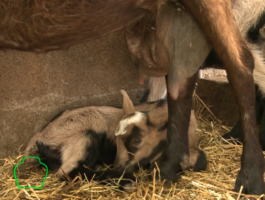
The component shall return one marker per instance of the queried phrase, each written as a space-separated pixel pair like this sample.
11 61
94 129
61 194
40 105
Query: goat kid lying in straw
86 136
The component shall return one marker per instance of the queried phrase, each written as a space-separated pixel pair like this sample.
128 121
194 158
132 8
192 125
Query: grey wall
36 87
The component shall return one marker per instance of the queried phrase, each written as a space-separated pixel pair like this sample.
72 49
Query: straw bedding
216 182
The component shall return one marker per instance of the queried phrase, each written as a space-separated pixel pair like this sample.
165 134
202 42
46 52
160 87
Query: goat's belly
45 25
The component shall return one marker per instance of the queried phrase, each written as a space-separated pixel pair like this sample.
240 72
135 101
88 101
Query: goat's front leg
176 155
236 131
217 20
250 175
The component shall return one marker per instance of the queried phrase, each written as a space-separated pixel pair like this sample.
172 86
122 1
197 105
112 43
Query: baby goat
87 136
79 136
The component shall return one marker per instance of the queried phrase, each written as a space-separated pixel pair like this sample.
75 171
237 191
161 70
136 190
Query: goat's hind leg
216 18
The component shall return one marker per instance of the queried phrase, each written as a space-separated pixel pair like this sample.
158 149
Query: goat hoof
201 162
62 176
251 180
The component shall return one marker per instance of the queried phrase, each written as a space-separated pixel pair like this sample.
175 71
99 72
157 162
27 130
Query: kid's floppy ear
159 116
127 105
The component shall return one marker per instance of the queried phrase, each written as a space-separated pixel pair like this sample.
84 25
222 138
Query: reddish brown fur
44 25
239 64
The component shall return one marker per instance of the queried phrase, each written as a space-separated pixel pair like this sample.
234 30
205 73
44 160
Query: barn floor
216 182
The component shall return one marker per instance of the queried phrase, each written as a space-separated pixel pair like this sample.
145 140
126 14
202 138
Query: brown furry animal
87 136
43 25
79 136
250 19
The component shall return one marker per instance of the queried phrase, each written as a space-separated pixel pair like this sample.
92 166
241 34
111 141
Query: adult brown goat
250 19
43 25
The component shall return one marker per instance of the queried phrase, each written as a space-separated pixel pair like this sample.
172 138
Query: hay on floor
216 182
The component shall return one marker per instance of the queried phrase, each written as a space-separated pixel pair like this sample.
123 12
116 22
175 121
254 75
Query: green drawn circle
34 187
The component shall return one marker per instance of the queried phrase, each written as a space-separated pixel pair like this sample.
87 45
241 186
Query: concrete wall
36 87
